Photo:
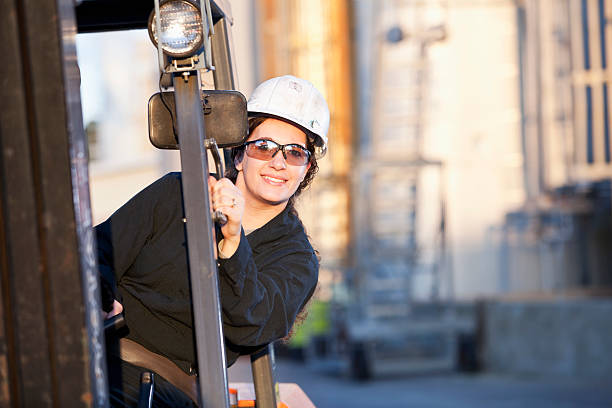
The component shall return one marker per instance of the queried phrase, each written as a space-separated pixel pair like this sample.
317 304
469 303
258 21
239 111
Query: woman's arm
260 304
123 234
260 301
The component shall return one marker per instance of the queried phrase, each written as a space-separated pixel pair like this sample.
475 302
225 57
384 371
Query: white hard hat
296 100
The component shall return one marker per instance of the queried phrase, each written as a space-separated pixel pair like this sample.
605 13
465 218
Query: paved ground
436 391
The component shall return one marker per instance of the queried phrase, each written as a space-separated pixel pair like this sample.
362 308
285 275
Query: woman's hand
117 308
227 198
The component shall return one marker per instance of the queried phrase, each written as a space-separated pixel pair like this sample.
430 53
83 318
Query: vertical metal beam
606 41
45 242
262 368
224 74
79 172
225 71
200 237
23 336
593 18
531 87
579 95
262 362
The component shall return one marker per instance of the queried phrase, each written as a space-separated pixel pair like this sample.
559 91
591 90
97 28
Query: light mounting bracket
202 60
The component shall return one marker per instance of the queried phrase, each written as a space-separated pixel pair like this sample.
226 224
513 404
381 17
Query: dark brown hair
237 153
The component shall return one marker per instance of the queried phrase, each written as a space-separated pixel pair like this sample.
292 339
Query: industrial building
469 158
463 214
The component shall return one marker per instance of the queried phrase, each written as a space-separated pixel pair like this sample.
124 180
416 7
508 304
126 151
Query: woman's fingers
227 198
226 194
117 308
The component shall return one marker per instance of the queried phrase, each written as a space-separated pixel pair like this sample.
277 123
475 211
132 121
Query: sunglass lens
296 155
262 149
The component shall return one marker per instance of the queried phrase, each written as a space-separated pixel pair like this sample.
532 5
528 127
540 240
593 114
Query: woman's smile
275 181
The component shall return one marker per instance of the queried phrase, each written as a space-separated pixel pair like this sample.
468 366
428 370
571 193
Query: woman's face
271 182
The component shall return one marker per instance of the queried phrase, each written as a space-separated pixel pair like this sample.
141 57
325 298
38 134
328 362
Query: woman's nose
278 161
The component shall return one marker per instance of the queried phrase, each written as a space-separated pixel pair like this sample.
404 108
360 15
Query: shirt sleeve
121 237
260 306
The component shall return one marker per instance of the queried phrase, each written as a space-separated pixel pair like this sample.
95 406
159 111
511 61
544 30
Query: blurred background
463 213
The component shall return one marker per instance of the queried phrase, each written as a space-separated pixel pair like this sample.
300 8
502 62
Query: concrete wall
558 337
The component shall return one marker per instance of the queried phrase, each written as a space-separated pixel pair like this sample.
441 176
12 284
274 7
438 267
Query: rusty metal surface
24 326
44 339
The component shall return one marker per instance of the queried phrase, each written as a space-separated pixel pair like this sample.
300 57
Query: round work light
180 29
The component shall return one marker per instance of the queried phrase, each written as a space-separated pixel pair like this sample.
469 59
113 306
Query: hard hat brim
316 139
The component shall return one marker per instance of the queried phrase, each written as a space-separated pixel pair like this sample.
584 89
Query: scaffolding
400 322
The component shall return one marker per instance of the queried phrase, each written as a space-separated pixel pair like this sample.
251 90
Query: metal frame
48 276
200 236
210 348
208 331
262 369
51 333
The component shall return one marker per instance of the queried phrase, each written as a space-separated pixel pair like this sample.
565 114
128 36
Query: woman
267 267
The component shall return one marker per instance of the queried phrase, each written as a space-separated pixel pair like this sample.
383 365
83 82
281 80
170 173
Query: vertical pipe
605 34
224 74
541 182
606 123
586 55
262 367
590 157
594 20
604 67
521 29
578 94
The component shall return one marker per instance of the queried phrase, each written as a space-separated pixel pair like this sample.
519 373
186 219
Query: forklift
52 341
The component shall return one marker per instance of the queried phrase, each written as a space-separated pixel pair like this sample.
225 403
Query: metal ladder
390 167
392 173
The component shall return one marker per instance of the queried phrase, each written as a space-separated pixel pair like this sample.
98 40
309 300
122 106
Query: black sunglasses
264 149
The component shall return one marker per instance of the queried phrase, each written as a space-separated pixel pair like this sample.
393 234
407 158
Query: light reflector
180 28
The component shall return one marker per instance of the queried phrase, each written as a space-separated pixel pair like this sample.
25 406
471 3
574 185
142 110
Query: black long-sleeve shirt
142 256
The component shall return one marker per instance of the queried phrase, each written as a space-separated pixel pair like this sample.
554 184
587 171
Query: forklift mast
52 349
